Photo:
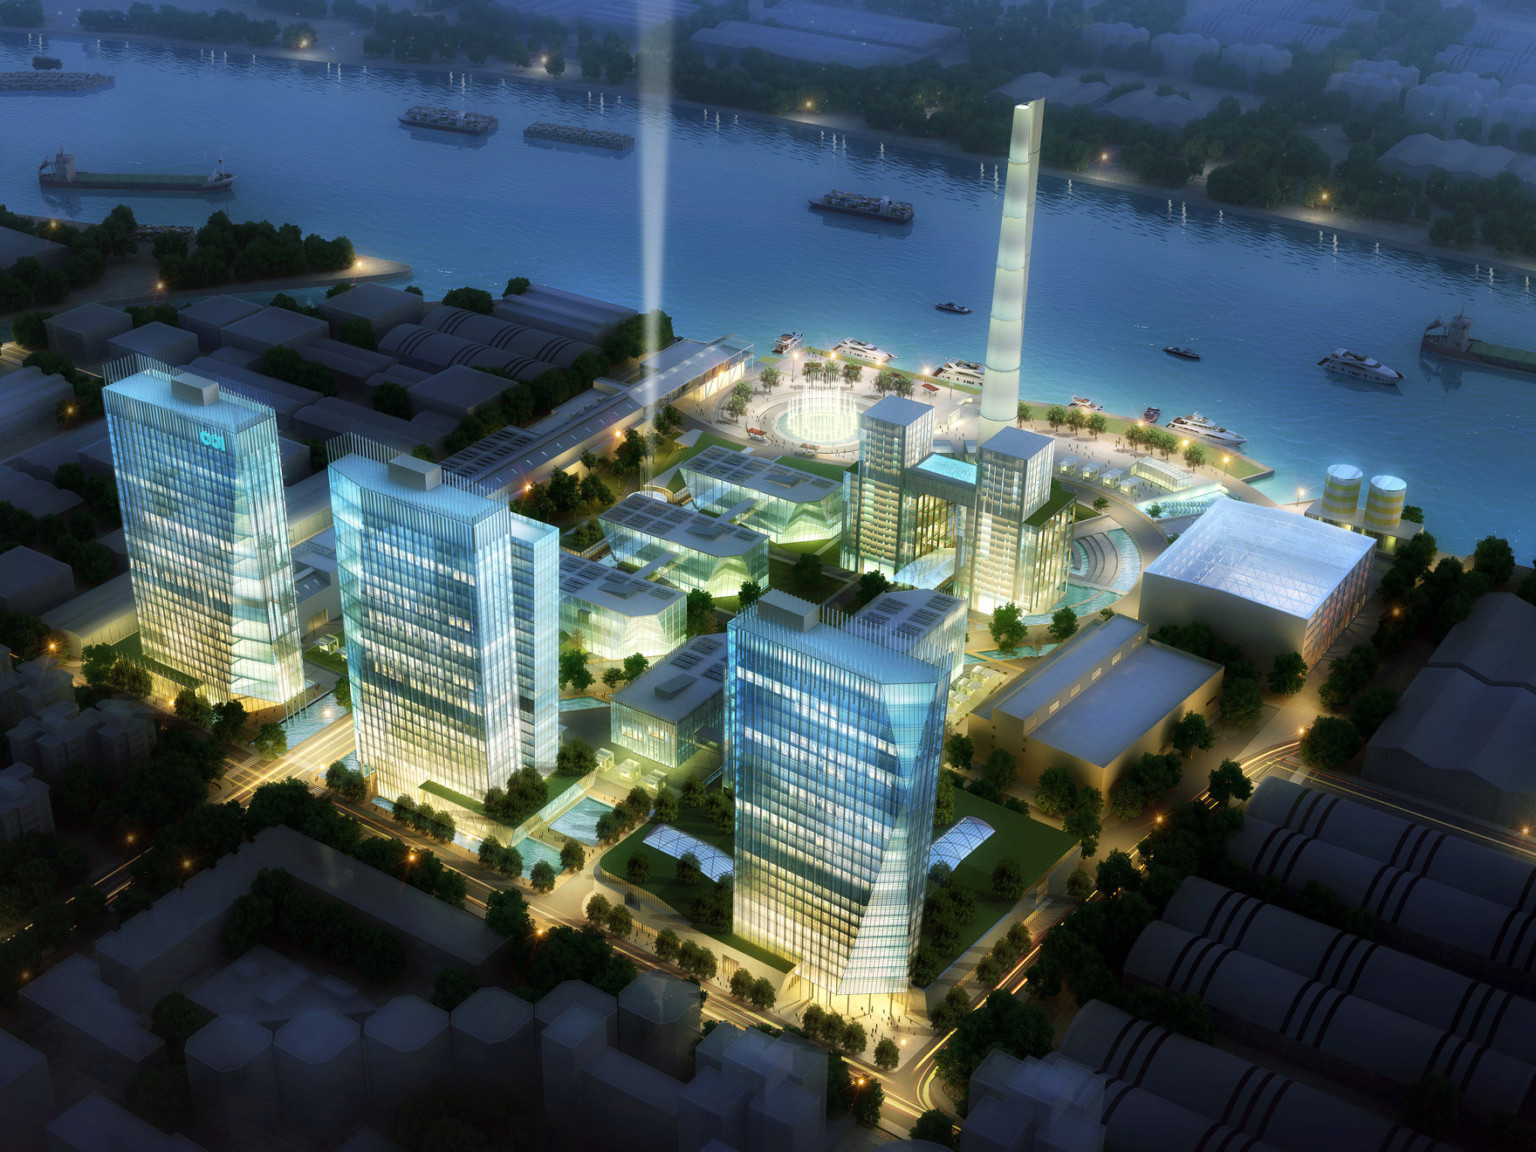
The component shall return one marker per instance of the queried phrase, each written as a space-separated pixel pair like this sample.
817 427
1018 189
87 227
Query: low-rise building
684 546
31 583
104 615
24 805
674 709
1268 580
784 503
1097 704
82 333
614 614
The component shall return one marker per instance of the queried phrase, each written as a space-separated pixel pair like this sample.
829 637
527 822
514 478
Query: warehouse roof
1267 555
1496 643
675 687
618 591
794 44
766 476
856 24
684 527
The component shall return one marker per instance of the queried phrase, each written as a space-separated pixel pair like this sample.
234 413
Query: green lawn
823 468
1035 845
812 546
332 661
682 455
443 792
663 882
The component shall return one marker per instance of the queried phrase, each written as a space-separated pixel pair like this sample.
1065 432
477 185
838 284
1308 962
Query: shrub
470 299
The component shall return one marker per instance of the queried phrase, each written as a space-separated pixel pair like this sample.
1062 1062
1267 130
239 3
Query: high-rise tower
200 482
1000 387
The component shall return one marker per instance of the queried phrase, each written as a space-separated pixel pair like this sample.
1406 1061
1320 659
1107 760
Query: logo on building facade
214 440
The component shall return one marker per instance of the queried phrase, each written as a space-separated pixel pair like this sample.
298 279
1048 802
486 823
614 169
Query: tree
542 877
1330 741
701 613
1025 412
230 725
1008 628
174 1019
341 692
1433 1107
1097 422
1084 820
452 987
665 811
573 670
613 677
688 871
555 65
750 592
348 783
1371 707
1100 503
960 750
1495 559
1194 455
805 575
97 661
635 665
1076 418
1190 733
1287 674
667 946
1229 782
506 913
1063 624
572 857
1008 879
131 678
1000 770
193 708
770 378
1056 793
1004 1023
1117 873
271 740
936 1127
637 869
575 758
887 1054
470 299
1079 886
300 35
944 802
1241 701
762 996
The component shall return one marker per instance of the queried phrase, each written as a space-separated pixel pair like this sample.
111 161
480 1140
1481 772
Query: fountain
824 416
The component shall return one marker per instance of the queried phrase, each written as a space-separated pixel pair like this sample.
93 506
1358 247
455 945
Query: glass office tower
536 630
429 601
834 743
200 483
1021 530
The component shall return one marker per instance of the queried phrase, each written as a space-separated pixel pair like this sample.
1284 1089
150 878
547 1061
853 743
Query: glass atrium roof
959 842
1266 555
675 843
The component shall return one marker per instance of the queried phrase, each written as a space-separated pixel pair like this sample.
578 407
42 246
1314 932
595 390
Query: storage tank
231 1073
407 1046
1341 491
320 1074
1384 502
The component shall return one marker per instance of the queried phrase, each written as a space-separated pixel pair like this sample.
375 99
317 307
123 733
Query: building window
1097 672
1055 704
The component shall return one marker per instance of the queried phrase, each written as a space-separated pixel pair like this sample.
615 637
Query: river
1115 276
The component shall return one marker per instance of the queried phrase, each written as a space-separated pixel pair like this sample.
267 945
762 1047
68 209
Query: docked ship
870 207
1347 363
576 134
1455 341
1197 425
962 372
1085 404
448 120
60 172
859 350
788 342
951 306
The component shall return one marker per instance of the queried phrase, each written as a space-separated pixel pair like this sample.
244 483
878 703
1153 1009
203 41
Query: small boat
869 207
1182 353
1085 404
951 306
788 342
1348 363
962 372
1197 425
863 351
1152 415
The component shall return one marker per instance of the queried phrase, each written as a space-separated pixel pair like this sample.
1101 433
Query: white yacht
962 372
788 342
1086 404
862 351
1197 425
1348 363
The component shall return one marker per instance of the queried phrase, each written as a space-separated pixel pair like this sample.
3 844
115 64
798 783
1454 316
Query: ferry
1085 404
576 134
1454 340
1182 353
862 351
1152 415
1197 425
788 342
962 372
448 120
951 306
1348 363
60 172
869 207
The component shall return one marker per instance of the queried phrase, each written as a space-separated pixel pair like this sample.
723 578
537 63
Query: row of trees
1073 417
276 908
250 250
27 282
221 25
71 539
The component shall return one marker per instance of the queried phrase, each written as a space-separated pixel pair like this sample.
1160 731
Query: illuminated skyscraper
200 483
1020 530
430 601
833 751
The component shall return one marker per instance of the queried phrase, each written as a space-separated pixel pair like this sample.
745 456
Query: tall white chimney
1000 388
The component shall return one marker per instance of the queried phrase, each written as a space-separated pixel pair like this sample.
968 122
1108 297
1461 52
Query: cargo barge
573 134
1454 341
448 120
869 207
53 81
60 172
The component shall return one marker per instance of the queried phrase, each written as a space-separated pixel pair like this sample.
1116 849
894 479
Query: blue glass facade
535 550
200 484
833 752
429 599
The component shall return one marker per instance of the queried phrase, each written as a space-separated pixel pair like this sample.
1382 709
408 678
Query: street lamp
1224 460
